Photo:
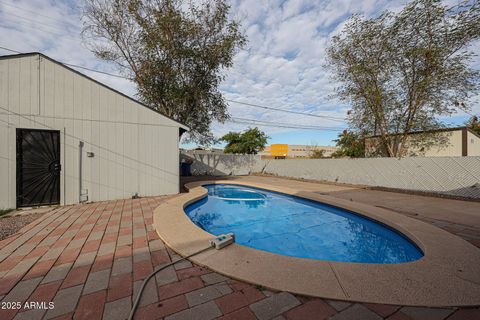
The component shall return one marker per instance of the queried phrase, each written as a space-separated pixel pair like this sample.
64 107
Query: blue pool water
298 227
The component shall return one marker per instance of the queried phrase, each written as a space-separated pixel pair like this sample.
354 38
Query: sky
282 65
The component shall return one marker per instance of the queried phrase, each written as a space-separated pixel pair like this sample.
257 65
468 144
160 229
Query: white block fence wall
454 176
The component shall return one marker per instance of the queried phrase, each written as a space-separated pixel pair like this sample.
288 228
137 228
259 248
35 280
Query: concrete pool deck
89 259
448 274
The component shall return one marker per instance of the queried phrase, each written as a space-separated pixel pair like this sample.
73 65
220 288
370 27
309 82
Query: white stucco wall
224 164
452 149
454 176
135 149
473 144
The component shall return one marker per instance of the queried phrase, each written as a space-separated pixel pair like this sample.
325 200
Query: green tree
250 141
176 52
474 124
350 144
402 71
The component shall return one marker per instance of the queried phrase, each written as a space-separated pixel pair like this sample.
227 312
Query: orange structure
279 150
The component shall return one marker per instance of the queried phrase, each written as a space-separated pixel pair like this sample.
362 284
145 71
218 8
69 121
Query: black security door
38 167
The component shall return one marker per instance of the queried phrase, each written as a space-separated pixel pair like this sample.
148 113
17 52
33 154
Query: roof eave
19 55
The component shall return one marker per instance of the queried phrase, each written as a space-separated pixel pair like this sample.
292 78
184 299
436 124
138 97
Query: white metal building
298 150
460 142
66 138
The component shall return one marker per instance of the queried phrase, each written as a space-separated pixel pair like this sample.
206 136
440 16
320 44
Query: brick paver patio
90 259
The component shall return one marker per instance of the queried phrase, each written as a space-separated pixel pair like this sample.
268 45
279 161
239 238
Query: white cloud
53 28
282 65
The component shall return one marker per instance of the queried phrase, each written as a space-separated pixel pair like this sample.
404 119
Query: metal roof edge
19 55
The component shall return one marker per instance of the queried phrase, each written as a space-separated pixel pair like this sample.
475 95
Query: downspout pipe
80 151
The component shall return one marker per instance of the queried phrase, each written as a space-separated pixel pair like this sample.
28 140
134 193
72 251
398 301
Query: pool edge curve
434 280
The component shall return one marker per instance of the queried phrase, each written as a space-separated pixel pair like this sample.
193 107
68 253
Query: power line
39 28
239 120
11 50
286 124
51 26
97 71
59 32
75 65
37 14
229 100
467 112
338 119
288 111
82 139
283 126
97 120
276 122
97 155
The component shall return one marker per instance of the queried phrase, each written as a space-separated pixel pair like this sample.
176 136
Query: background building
295 150
200 150
459 142
66 138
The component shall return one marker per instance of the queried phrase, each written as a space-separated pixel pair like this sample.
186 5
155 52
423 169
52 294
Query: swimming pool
298 227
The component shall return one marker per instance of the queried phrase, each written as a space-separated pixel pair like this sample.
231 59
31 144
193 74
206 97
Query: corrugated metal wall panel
457 176
128 157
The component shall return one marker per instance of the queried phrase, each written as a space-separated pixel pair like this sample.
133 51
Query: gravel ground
10 225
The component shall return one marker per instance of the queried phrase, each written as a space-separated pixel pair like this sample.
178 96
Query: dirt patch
11 225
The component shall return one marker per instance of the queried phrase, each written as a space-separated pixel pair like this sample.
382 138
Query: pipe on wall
80 151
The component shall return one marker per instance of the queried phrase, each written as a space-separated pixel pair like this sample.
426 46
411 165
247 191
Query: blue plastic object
298 227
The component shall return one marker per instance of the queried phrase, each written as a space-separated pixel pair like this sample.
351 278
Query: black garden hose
139 294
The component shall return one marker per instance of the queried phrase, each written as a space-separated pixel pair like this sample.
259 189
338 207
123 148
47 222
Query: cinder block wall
135 149
456 176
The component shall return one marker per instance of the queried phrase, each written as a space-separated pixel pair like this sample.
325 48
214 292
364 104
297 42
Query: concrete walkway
459 217
90 259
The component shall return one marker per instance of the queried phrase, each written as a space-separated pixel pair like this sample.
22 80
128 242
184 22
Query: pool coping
448 274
